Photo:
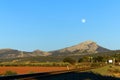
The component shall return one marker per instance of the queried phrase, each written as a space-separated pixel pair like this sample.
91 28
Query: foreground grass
109 70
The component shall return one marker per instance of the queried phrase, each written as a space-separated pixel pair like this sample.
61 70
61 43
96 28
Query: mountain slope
11 53
86 47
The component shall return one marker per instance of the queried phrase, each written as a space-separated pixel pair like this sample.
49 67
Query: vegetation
108 70
31 72
69 60
48 64
8 73
62 60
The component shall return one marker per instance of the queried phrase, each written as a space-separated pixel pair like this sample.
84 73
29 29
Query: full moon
83 20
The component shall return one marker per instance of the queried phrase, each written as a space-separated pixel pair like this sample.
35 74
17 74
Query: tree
98 59
80 60
69 60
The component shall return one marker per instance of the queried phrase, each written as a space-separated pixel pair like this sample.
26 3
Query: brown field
26 70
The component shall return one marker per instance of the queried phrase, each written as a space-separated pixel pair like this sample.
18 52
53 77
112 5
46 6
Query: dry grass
108 70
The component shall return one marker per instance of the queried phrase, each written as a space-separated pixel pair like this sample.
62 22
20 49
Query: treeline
95 57
43 64
35 59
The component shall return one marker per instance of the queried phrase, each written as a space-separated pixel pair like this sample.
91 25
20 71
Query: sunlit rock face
84 47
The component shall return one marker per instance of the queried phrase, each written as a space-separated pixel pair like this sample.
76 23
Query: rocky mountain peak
86 47
39 52
88 42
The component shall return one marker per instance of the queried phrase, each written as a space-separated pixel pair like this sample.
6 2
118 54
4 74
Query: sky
54 24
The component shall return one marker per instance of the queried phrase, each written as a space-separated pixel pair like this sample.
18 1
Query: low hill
11 53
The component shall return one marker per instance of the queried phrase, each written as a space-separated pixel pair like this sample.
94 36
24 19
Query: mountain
41 53
84 48
87 47
11 53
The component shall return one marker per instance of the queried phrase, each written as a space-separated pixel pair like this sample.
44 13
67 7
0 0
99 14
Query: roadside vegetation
42 64
109 70
9 73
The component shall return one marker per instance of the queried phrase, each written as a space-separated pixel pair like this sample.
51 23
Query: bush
95 65
7 73
80 60
114 70
69 60
31 72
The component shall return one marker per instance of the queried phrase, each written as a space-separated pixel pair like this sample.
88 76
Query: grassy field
109 70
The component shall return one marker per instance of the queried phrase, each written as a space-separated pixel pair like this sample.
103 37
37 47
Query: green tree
69 60
98 59
80 60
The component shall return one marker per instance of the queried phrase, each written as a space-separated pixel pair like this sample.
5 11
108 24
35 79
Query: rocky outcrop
86 47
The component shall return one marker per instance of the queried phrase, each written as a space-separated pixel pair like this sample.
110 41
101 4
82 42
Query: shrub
69 60
7 73
31 72
95 64
80 60
114 70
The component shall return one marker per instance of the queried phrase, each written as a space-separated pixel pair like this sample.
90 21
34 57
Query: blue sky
54 24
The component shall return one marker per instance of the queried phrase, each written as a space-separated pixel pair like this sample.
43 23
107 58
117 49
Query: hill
87 47
11 53
84 48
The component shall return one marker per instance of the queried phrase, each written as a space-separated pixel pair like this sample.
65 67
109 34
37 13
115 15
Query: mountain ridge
12 53
84 48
